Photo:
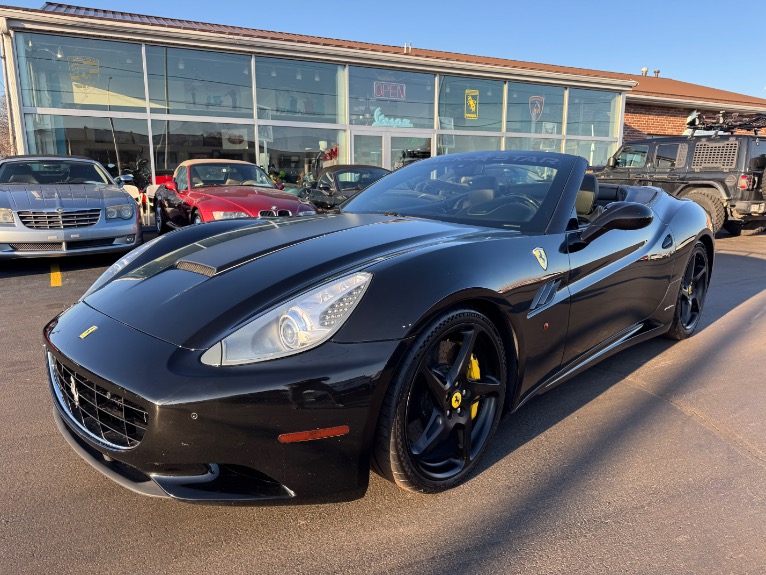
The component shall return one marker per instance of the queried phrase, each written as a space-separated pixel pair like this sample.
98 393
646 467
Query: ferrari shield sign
471 104
536 104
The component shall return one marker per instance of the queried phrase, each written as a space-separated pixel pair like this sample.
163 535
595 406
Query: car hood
237 193
195 295
36 197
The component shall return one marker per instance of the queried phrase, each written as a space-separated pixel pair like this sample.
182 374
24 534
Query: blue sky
703 42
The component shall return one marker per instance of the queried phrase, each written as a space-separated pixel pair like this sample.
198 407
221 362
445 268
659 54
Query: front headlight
308 213
229 215
299 324
6 217
124 211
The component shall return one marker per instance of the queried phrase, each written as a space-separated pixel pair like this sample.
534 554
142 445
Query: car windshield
359 178
52 172
233 174
515 190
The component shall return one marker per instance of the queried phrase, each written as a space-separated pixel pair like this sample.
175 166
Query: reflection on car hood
192 296
36 197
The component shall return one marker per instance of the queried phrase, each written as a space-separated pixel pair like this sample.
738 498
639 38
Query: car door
615 282
669 166
176 207
631 165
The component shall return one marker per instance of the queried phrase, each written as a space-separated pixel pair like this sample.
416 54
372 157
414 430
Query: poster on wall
471 104
84 72
233 139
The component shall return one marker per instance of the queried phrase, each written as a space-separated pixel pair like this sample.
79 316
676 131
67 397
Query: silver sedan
62 205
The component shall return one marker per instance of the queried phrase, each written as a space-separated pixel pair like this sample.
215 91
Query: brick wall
642 120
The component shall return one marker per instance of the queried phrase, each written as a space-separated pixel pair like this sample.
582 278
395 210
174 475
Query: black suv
722 173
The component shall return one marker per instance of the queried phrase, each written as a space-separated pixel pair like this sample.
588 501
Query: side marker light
313 434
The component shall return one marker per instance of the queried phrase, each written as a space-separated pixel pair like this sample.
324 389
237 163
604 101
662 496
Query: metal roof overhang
633 98
12 19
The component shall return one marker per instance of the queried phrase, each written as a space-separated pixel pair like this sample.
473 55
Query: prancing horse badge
542 259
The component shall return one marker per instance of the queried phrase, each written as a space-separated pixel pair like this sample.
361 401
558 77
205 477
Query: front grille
103 415
48 247
54 220
275 213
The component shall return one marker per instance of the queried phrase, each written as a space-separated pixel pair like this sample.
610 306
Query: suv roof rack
727 122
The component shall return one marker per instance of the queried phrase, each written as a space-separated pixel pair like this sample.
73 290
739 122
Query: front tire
159 219
443 405
197 218
691 294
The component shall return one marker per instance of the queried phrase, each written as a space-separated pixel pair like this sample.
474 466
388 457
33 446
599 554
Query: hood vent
196 268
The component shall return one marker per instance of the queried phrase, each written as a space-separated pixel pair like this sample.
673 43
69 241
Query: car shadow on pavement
535 420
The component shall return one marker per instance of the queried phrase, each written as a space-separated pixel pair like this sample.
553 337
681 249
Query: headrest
584 202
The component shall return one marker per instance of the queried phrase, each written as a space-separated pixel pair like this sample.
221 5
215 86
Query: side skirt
626 338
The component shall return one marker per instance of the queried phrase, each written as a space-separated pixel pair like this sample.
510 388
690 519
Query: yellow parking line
55 275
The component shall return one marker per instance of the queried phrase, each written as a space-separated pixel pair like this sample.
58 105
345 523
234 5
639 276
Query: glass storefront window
451 144
197 83
470 104
390 98
80 73
536 144
175 142
595 152
298 154
300 91
117 143
534 108
592 113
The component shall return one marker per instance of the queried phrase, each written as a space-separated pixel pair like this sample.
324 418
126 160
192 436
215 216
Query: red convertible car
208 190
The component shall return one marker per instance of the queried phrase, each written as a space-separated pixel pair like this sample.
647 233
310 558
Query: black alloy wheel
444 404
691 294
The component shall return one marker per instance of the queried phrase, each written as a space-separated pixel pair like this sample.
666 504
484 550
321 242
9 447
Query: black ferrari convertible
301 352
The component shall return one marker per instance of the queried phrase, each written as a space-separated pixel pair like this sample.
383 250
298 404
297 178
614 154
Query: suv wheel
711 203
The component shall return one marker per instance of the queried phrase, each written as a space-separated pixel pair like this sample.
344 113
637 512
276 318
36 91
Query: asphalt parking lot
652 462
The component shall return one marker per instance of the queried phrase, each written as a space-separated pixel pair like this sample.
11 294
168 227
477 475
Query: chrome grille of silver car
106 417
59 220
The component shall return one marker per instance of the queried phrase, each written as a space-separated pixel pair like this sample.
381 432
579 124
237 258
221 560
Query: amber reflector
313 434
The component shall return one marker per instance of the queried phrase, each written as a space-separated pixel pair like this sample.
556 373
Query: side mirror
611 162
618 216
118 181
172 186
324 187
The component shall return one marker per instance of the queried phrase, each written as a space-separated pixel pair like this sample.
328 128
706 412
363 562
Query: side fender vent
545 295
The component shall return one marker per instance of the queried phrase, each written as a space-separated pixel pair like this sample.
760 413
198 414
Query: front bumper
113 236
211 434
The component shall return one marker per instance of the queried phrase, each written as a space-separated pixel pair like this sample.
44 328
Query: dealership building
127 88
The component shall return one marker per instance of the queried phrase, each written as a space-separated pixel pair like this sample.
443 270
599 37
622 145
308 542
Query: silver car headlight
6 217
124 211
297 325
307 213
229 215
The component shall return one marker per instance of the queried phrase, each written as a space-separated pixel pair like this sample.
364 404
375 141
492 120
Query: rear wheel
711 203
691 294
444 404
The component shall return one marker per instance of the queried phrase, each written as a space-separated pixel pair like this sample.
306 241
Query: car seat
585 204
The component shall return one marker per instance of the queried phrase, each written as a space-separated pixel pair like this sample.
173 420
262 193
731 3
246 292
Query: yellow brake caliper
474 373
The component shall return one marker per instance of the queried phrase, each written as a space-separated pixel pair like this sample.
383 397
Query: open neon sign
390 91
